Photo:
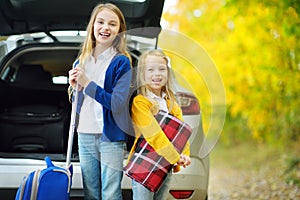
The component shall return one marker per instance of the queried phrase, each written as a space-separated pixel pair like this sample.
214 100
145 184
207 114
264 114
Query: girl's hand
184 160
72 77
81 78
176 168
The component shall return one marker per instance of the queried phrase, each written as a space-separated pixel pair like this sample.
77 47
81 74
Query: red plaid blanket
146 166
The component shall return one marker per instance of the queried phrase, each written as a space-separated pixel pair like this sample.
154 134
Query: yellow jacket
145 124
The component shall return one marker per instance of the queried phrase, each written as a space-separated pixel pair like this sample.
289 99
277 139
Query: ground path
233 178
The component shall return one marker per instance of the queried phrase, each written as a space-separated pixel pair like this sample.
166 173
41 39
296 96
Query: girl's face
106 27
156 73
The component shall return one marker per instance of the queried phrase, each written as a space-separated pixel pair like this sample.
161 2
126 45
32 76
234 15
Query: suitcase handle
48 162
72 127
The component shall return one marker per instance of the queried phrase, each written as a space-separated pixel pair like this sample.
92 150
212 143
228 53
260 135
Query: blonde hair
90 41
143 87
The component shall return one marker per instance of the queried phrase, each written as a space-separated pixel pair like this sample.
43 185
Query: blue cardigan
114 98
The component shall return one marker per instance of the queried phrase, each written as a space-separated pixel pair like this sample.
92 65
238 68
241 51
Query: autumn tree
255 47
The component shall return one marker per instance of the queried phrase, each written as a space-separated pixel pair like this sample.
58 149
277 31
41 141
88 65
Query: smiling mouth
156 81
104 34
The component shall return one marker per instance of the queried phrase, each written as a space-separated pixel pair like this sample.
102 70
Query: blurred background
256 50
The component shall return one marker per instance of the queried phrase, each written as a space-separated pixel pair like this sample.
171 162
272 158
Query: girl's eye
162 69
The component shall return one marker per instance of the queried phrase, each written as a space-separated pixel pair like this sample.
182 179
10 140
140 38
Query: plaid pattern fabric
146 166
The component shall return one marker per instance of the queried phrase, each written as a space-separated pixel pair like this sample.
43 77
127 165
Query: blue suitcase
51 183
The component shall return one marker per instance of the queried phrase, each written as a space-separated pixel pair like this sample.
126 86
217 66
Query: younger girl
101 71
155 93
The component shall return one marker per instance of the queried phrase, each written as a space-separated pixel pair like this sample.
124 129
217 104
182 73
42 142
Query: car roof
30 16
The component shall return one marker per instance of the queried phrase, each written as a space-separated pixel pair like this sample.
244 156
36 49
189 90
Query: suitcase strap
22 187
35 185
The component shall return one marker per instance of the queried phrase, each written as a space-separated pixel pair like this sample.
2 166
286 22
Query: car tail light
188 103
181 194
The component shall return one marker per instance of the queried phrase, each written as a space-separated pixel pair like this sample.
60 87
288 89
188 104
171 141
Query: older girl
102 71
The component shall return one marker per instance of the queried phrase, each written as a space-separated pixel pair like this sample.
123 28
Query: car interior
34 115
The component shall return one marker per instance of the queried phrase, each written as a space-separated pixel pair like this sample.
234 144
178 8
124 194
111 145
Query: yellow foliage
255 47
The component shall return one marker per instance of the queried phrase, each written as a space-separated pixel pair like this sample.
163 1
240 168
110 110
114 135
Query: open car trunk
35 110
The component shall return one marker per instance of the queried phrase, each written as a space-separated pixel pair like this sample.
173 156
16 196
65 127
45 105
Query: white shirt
162 103
91 113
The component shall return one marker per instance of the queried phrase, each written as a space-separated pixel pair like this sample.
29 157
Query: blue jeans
140 192
101 167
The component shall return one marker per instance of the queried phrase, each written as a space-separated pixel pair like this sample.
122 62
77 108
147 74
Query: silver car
42 41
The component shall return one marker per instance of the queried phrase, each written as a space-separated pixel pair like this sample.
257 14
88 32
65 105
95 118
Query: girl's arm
147 125
116 99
